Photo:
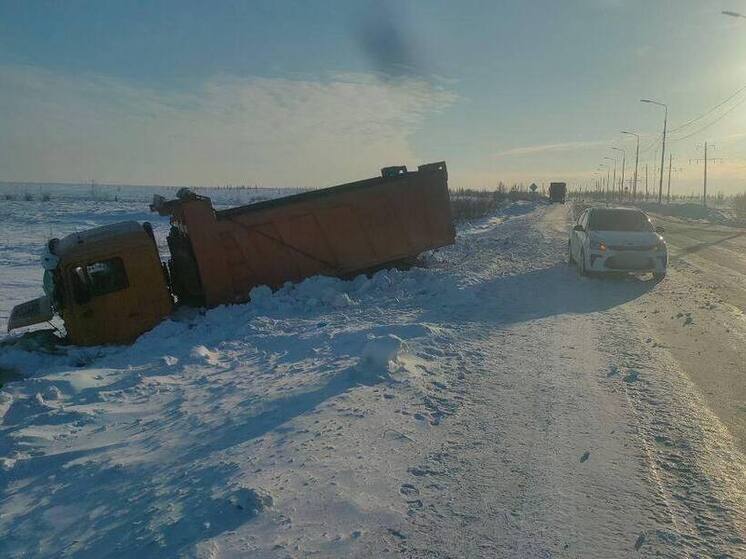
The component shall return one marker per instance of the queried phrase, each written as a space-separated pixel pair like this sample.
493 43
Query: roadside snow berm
109 286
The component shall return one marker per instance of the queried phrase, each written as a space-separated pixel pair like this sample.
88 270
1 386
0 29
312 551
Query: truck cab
107 284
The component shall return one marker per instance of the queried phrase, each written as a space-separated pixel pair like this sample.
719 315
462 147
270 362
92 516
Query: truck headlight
598 245
661 246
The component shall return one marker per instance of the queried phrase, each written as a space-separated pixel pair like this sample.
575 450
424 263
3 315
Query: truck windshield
609 220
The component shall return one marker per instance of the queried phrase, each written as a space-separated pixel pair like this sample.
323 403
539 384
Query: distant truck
109 286
557 192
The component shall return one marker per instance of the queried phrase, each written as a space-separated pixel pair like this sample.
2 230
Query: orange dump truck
109 286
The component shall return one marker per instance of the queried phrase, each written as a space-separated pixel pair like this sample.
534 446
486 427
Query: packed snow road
491 405
699 314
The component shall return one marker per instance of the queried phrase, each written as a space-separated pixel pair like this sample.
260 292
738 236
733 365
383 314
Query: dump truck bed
557 191
219 256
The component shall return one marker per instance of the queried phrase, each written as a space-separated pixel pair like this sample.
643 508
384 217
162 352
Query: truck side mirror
578 228
660 230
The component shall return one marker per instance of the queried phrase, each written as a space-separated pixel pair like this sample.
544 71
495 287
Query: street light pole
613 180
670 161
663 147
621 183
637 158
608 170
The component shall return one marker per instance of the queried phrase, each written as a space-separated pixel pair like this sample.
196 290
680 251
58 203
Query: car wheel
569 254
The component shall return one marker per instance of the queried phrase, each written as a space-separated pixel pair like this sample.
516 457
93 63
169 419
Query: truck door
100 301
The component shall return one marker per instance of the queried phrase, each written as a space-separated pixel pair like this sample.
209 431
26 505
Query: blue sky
316 93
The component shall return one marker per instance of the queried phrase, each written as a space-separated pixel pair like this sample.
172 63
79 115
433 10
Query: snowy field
489 405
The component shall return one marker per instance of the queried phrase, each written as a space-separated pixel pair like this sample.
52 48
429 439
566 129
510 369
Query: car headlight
598 245
661 246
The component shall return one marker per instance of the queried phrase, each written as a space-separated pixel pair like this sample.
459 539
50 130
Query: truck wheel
659 276
569 254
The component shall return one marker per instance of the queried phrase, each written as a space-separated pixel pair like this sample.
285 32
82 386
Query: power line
652 144
713 109
706 126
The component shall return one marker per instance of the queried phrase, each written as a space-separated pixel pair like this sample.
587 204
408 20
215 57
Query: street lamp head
653 102
732 14
630 133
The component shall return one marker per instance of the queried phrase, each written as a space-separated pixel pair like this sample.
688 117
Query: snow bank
195 335
688 211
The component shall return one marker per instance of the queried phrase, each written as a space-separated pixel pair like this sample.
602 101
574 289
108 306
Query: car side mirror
578 228
660 230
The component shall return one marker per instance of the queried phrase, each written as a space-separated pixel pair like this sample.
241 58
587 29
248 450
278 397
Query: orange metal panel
335 231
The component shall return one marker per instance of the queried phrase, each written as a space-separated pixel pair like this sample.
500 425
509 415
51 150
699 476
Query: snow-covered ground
490 405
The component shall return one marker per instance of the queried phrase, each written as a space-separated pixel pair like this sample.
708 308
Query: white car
617 240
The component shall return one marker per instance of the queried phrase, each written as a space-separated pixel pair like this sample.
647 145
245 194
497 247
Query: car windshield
609 220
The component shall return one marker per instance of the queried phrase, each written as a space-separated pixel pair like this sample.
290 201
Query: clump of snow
382 351
251 500
6 400
52 393
201 353
170 360
260 294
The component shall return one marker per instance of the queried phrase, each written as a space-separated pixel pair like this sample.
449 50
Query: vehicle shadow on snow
548 292
178 500
282 410
157 517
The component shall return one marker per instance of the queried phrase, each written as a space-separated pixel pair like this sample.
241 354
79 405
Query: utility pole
668 196
621 181
646 182
637 158
608 171
704 194
663 147
663 155
706 160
